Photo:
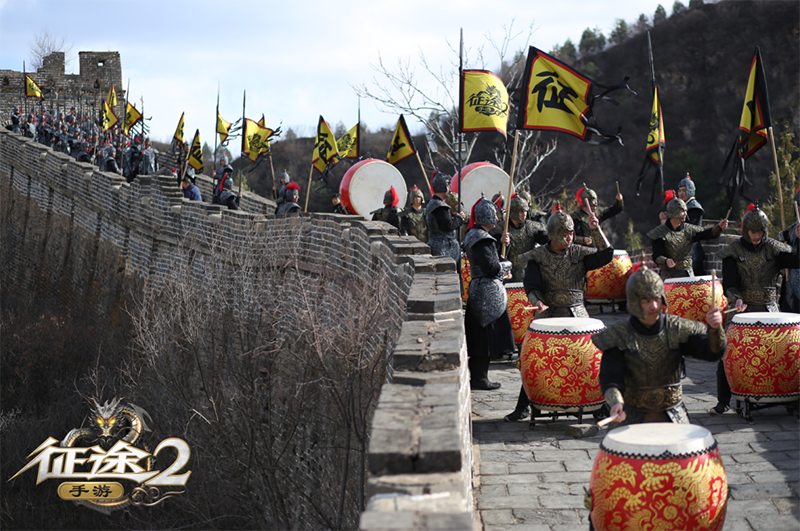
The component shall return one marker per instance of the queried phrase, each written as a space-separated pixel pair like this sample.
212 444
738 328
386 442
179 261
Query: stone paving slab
533 479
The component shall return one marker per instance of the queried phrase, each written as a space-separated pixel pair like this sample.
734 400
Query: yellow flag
348 144
554 96
254 138
655 137
223 128
132 117
112 97
195 156
402 145
484 102
756 117
109 118
179 130
325 150
32 90
265 145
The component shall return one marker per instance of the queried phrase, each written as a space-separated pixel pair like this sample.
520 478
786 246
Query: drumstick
729 311
713 288
617 186
606 421
728 214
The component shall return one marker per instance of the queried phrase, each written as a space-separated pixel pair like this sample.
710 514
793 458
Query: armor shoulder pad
613 336
658 232
679 330
732 250
579 252
537 254
693 203
775 247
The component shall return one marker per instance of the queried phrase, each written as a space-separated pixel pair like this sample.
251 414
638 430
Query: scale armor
487 296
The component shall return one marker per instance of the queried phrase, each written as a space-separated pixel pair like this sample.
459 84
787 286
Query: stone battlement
75 238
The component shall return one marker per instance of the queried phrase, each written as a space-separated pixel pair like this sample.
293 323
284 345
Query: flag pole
126 131
777 177
244 138
25 92
308 192
421 167
216 133
272 170
510 188
460 134
658 125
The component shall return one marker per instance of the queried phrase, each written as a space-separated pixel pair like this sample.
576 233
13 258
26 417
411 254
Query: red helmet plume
669 195
578 195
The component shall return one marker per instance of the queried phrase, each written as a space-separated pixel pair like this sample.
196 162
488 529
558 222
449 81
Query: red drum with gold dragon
658 476
560 365
519 310
609 281
763 359
690 297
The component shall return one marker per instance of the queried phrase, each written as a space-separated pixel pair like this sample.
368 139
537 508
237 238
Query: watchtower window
101 63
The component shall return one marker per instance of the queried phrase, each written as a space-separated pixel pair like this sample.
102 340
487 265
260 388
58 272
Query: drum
466 277
519 310
690 297
560 365
763 359
658 476
479 177
365 183
609 281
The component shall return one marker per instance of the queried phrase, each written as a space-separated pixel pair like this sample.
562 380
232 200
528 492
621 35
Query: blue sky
296 60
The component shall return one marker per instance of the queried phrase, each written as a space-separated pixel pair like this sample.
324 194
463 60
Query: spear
216 122
244 138
660 149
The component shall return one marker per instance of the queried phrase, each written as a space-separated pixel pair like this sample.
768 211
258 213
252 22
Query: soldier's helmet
586 193
526 195
755 220
518 205
440 182
286 177
674 208
484 212
643 284
223 160
391 198
689 184
557 225
416 192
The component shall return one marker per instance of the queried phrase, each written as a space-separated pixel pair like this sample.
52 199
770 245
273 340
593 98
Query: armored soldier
672 241
223 171
110 162
389 211
486 319
555 276
581 216
412 219
791 299
694 215
226 197
442 224
643 357
524 235
15 121
130 161
285 178
149 162
290 206
534 214
338 207
750 268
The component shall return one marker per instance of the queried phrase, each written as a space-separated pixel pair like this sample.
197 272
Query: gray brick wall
74 237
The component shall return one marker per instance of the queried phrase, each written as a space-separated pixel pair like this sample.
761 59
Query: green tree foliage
592 41
660 15
695 3
678 8
592 70
620 32
566 52
633 238
641 25
789 167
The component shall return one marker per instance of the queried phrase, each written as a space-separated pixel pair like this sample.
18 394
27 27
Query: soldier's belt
654 398
563 298
759 296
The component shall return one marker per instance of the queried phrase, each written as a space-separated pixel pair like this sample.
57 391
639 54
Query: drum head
365 183
703 279
567 325
658 439
766 319
480 177
515 285
620 252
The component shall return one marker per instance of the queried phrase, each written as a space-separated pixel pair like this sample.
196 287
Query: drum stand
597 414
744 408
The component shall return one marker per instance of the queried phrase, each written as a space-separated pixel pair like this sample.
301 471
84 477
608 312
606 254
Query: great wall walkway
533 480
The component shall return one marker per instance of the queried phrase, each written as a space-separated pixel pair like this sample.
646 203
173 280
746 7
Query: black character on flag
557 96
